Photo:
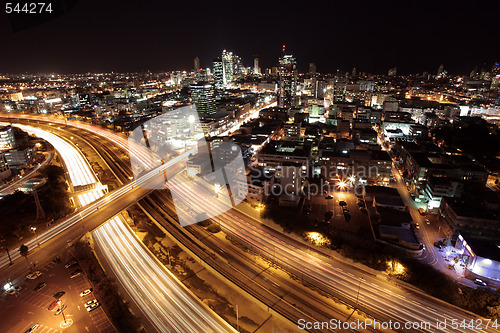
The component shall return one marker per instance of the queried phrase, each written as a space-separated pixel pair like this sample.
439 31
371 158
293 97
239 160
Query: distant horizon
487 68
127 37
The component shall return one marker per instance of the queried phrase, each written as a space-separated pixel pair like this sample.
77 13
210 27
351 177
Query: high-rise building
392 71
287 87
196 64
256 68
7 139
218 75
228 66
312 68
203 96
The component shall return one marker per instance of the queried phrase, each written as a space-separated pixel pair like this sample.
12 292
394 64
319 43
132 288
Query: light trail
160 295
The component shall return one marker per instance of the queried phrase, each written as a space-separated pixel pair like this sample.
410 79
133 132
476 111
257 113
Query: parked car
328 215
86 292
70 263
52 305
421 211
40 286
427 222
480 282
32 329
347 216
361 202
342 203
363 210
59 294
91 305
33 275
436 244
76 273
329 196
56 260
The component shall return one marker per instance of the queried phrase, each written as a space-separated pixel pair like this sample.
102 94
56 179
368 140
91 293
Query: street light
359 287
33 229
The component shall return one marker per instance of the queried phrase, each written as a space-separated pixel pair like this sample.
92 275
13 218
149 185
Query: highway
168 304
77 167
186 313
378 296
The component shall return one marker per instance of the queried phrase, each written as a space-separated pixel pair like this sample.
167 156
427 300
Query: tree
23 250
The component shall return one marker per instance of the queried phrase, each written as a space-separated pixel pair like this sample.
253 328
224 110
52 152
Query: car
32 328
56 260
347 216
328 215
40 286
421 211
345 209
86 292
361 202
480 282
75 265
427 222
76 273
342 203
33 275
59 294
363 210
329 197
11 291
52 305
91 305
436 244
417 225
59 310
70 263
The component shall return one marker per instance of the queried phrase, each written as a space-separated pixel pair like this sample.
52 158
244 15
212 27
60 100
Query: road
378 296
12 186
204 319
167 303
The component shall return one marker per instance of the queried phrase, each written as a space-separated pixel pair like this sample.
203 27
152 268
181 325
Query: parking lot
354 222
27 307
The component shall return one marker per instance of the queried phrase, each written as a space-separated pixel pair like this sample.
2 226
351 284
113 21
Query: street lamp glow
342 184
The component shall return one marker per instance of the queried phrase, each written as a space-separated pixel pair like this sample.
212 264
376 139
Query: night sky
372 36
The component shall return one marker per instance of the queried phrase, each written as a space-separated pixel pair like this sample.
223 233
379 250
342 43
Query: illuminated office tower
203 96
218 75
256 68
196 64
287 86
228 66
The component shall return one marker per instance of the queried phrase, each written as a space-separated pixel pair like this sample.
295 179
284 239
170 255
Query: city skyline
372 38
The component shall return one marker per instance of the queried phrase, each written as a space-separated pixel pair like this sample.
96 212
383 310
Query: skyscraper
196 64
218 75
228 66
287 87
203 96
256 68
